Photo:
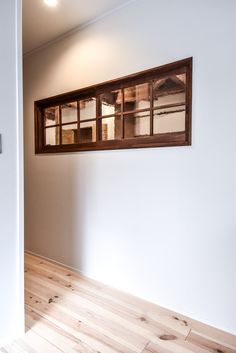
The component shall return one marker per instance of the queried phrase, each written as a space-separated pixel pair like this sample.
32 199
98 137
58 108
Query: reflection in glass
87 132
111 128
169 90
52 136
111 102
169 120
137 125
69 112
87 108
137 97
51 116
69 134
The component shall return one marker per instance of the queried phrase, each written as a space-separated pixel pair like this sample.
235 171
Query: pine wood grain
67 312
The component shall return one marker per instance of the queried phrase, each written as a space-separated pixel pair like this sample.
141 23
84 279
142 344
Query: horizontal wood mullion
172 105
87 120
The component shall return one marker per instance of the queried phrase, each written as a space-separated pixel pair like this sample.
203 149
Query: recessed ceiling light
51 2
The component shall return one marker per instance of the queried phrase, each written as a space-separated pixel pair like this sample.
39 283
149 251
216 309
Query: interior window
147 109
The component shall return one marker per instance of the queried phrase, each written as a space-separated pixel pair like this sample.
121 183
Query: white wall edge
20 325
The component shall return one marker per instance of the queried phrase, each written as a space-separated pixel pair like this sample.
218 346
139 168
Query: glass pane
169 90
169 120
111 128
69 134
111 102
51 116
87 132
69 112
87 108
137 97
137 125
52 136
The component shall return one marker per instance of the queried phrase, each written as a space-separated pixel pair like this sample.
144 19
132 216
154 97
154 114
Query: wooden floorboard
68 313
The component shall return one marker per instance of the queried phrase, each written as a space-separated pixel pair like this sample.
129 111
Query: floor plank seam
144 349
45 339
186 338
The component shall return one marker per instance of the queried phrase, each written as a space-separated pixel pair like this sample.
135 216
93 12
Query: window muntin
111 128
51 116
87 109
69 113
52 136
137 97
69 134
137 124
110 102
149 109
169 120
88 131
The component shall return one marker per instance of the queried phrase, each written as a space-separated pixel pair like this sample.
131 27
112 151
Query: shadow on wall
58 194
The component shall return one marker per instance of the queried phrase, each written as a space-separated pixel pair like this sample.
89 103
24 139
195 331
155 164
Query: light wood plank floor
66 312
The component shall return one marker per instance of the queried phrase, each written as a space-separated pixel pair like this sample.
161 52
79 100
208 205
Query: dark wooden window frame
157 140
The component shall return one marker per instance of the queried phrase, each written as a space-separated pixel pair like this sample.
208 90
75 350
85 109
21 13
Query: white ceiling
42 24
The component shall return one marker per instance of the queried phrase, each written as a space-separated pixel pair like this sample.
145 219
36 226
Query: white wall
11 179
159 223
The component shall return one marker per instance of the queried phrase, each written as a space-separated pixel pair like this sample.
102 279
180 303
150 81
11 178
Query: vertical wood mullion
186 100
43 123
188 103
122 114
151 108
78 122
98 113
60 126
